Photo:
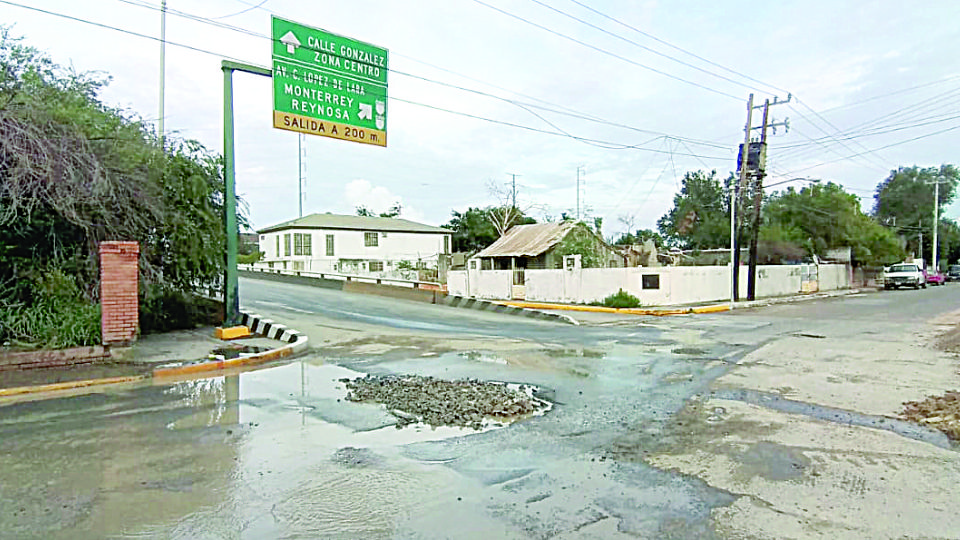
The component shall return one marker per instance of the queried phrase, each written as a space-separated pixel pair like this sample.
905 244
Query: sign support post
231 281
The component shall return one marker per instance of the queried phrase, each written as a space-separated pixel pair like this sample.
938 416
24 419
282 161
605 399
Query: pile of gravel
465 402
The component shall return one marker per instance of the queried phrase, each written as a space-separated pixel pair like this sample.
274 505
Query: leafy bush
621 299
163 309
58 316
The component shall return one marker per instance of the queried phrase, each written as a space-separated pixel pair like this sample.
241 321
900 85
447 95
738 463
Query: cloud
377 199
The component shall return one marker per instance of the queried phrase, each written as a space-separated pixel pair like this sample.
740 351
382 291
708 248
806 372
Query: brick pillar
119 308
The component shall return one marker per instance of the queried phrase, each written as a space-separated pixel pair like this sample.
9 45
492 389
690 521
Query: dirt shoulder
813 453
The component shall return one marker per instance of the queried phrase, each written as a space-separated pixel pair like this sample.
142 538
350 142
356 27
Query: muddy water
280 453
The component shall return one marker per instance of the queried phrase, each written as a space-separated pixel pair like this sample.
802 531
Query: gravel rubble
438 402
940 412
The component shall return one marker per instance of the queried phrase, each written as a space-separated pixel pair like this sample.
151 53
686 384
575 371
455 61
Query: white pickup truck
904 275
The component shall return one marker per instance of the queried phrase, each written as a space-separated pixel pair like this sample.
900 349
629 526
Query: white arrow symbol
366 111
290 41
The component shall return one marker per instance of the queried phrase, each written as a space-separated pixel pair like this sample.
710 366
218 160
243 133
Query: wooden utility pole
734 197
758 195
757 199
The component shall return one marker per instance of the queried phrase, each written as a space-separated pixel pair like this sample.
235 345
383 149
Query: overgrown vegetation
620 299
75 172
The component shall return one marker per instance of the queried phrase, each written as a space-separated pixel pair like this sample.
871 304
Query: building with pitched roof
360 245
543 246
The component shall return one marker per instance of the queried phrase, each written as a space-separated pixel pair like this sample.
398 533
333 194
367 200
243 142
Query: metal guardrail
412 284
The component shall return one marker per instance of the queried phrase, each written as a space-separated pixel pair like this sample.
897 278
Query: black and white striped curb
268 328
484 305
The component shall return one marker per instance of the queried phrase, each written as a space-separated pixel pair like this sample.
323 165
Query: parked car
934 277
953 273
903 275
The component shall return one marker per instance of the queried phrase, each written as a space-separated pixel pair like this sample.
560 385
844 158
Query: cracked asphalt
730 425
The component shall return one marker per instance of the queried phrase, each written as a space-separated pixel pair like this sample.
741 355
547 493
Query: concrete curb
498 307
295 343
717 308
70 385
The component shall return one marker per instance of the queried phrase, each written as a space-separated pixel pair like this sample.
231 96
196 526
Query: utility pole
578 193
920 228
758 194
513 188
936 218
163 65
734 194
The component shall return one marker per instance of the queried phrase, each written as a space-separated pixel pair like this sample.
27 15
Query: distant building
359 245
538 246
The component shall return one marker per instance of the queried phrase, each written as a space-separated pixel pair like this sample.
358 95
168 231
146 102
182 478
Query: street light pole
936 220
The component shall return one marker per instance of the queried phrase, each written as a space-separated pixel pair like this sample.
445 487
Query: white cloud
377 199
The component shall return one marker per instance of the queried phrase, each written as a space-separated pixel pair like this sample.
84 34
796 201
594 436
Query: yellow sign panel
326 128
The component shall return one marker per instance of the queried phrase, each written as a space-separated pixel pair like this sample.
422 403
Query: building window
278 245
286 245
298 265
329 245
650 281
302 244
371 239
446 244
376 266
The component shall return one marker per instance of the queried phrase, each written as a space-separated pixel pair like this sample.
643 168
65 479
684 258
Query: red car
934 278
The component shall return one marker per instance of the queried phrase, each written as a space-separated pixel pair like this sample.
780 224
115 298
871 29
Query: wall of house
351 251
675 284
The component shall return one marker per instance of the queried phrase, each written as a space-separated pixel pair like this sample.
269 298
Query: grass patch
620 299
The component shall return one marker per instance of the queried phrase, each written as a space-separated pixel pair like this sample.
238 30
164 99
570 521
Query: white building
387 247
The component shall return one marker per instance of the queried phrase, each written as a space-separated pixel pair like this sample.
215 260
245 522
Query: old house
544 245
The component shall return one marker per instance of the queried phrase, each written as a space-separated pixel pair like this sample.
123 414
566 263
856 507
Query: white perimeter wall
678 284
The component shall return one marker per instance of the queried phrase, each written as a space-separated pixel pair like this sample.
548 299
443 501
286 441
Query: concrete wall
677 284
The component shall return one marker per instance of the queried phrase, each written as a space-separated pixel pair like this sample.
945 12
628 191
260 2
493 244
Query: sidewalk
172 354
585 314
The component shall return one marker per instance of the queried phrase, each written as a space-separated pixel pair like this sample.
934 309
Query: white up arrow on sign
290 41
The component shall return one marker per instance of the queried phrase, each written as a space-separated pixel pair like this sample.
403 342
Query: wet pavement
281 453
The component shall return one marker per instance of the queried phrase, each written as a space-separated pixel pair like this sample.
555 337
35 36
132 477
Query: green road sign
328 85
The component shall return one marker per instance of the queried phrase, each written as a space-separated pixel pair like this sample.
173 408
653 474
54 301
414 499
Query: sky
630 93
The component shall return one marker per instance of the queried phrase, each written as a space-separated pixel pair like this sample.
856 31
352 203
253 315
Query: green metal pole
231 281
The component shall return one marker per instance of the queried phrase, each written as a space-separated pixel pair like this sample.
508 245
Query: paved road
278 452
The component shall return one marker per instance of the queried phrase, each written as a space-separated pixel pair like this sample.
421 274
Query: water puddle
315 396
235 351
903 428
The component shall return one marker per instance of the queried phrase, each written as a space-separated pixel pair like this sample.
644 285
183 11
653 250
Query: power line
596 142
675 47
644 47
880 148
606 52
572 113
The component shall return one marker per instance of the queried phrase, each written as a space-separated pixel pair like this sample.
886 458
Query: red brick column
119 308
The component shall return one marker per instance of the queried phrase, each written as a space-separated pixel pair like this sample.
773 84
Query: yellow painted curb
564 307
630 311
712 309
70 385
219 365
234 332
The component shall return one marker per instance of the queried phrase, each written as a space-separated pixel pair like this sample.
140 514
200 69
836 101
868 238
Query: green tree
904 200
75 172
476 228
824 216
700 217
638 237
583 241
